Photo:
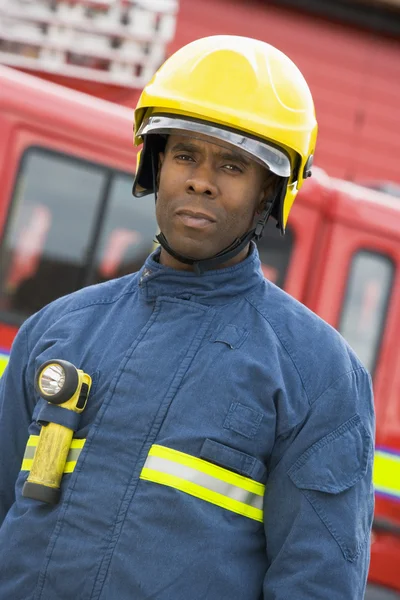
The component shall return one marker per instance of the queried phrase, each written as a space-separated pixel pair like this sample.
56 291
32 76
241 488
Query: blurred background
71 72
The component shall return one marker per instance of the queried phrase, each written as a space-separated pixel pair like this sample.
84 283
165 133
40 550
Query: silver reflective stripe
267 154
206 481
30 451
73 453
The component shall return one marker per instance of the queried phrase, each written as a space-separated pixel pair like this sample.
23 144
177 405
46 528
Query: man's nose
201 181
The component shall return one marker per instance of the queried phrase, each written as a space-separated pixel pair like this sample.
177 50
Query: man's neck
169 261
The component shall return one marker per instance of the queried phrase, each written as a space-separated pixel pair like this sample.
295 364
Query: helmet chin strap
207 264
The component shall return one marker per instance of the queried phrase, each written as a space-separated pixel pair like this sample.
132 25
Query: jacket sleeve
319 499
16 406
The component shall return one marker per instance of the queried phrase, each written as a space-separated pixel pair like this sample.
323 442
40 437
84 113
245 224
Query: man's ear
260 206
161 157
266 194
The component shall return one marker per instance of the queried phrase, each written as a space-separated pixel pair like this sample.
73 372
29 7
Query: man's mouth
195 219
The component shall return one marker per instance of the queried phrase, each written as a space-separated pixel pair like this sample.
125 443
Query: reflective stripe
72 458
387 473
3 362
204 480
214 484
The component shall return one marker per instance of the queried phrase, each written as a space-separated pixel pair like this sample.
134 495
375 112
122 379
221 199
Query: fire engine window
364 310
53 213
128 232
275 251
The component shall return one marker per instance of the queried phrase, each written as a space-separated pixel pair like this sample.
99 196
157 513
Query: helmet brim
268 155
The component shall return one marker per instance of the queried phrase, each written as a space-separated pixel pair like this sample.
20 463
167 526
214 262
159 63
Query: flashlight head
57 381
52 379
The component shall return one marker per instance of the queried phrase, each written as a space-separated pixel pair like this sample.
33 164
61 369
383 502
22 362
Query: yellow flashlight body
44 480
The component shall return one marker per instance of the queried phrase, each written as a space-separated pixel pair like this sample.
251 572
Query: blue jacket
228 454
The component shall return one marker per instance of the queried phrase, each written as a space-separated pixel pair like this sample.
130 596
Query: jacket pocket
243 420
230 335
335 475
233 459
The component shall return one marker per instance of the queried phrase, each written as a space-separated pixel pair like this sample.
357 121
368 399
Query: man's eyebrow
235 157
185 147
224 154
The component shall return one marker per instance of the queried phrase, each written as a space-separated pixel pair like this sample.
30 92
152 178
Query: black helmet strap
208 264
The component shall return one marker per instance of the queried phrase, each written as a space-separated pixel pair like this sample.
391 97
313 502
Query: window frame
12 317
291 235
369 251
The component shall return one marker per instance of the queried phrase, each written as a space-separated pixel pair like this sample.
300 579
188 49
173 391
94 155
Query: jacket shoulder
318 352
92 296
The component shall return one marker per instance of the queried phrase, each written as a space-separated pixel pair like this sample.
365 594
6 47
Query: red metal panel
7 334
384 568
54 106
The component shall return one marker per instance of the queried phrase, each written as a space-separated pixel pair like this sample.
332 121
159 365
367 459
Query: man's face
208 194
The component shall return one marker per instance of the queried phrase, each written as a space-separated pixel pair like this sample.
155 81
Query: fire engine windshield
71 223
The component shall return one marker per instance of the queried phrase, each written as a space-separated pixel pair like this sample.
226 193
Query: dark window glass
128 231
275 252
49 231
364 310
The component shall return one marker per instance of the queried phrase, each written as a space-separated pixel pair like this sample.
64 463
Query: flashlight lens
52 379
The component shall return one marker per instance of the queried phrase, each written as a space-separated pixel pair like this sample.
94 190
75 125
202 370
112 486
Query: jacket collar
213 287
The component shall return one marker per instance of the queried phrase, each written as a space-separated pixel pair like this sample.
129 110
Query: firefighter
225 450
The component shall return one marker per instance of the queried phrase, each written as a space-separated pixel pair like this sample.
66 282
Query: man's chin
194 250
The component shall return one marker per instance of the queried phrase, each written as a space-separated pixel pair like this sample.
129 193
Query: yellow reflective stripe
386 476
198 491
70 466
3 362
206 467
206 481
387 473
77 443
74 452
26 464
32 441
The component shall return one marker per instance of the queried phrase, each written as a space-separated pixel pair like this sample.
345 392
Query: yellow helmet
238 89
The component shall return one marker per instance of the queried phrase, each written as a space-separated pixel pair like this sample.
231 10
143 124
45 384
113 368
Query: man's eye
184 157
233 168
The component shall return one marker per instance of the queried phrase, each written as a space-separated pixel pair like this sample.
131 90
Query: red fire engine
67 220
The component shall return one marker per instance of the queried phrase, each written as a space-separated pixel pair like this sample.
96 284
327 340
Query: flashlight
60 383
